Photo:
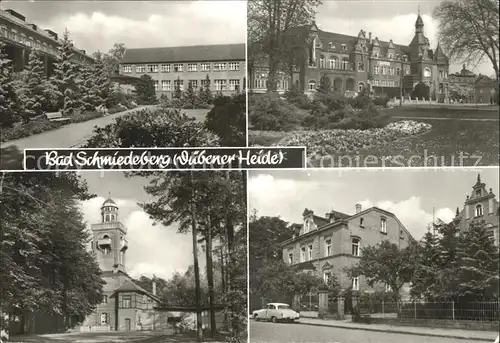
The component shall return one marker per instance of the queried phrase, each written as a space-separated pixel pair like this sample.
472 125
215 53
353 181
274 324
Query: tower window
479 210
106 219
104 318
478 193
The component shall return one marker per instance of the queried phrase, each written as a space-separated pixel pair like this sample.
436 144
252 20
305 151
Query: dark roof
109 202
129 286
225 52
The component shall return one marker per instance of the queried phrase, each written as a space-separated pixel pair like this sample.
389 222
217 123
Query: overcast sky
386 19
410 194
153 249
97 25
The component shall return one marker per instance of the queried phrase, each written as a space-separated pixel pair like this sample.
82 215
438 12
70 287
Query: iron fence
450 310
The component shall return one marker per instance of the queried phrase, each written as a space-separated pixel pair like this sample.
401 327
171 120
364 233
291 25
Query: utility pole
401 83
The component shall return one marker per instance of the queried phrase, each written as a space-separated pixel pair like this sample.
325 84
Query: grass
449 143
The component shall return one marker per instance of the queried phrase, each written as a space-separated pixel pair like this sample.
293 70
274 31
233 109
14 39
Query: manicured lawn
455 142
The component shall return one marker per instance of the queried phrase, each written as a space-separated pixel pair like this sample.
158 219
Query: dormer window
479 210
478 193
344 47
389 56
290 258
405 58
331 46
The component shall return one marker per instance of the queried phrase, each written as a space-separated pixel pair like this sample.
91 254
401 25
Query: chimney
358 208
154 285
370 37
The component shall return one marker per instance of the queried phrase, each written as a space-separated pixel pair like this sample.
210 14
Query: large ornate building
354 63
326 245
225 66
481 207
21 37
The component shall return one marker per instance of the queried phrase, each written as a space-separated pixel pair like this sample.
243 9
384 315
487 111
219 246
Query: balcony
123 244
104 242
109 225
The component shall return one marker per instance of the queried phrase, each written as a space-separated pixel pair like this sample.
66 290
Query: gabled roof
129 286
221 52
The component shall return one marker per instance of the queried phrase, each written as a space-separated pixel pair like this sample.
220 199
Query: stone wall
439 323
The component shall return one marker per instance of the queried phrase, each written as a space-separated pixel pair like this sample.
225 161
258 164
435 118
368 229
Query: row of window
385 83
354 282
355 244
313 85
261 83
21 38
179 67
219 85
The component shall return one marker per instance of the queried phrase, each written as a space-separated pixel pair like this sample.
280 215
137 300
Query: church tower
109 241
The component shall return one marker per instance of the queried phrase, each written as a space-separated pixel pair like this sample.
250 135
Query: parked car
276 312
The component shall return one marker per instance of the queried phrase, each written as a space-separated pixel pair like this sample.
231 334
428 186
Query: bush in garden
367 118
381 101
227 119
270 112
158 127
361 101
333 101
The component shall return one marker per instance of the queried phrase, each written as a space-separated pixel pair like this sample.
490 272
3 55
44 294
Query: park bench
55 116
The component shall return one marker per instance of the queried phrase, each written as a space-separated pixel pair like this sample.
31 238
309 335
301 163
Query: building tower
109 239
481 206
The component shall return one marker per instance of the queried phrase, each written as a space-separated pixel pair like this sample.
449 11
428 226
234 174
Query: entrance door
127 324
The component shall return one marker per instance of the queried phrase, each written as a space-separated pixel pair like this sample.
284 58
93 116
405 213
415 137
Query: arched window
355 246
479 210
106 218
312 85
350 84
427 72
361 86
332 62
112 217
345 63
322 61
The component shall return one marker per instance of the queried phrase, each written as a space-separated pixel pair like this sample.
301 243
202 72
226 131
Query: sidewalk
486 336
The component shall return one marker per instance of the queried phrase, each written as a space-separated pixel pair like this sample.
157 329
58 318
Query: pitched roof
129 286
222 52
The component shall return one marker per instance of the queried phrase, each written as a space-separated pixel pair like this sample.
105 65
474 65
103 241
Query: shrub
381 101
358 317
333 101
361 101
228 120
270 112
157 127
84 116
367 118
28 129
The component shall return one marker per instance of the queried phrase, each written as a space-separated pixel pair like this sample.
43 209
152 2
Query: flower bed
324 142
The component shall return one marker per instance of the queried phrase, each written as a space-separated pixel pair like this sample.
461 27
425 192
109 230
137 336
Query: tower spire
418 9
478 178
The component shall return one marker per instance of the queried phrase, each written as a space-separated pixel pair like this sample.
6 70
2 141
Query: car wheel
256 317
274 319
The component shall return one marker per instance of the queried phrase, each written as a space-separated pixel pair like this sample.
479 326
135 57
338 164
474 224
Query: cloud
174 24
411 213
153 249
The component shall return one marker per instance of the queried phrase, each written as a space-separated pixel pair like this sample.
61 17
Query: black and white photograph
367 84
374 256
106 74
106 257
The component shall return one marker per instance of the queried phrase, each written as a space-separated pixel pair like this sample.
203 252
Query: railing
467 311
104 241
109 225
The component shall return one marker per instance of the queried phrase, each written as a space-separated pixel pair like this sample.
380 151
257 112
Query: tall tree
114 57
374 266
177 89
101 90
190 95
8 99
269 22
45 266
206 93
145 91
468 30
427 266
33 93
65 76
477 277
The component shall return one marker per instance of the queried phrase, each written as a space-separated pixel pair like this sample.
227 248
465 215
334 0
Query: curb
482 339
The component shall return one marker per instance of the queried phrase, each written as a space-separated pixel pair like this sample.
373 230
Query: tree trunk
273 73
199 324
210 277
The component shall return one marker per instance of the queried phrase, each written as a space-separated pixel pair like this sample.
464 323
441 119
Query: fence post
453 309
414 309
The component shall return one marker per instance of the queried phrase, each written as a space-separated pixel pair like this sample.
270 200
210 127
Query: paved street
263 332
